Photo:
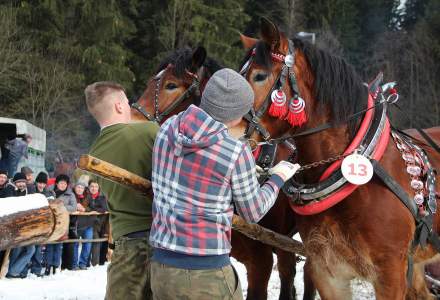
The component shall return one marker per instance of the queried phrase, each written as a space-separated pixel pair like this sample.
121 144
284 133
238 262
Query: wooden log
22 225
87 213
113 173
4 264
61 220
124 177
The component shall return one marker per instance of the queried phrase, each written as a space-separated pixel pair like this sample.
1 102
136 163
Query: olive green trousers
169 283
128 275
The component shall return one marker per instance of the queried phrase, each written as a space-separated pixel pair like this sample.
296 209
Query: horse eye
260 77
171 86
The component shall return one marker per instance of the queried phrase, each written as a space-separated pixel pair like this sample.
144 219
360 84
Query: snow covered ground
90 284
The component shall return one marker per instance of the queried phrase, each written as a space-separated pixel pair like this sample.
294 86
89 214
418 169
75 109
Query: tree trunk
121 176
33 226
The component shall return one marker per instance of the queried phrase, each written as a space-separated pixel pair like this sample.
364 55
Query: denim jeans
86 234
53 254
19 259
37 261
12 165
36 264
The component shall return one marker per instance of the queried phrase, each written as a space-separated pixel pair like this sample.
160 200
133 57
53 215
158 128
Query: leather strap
395 187
142 110
430 141
424 224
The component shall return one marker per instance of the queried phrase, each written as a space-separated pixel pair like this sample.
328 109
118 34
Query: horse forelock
261 56
181 61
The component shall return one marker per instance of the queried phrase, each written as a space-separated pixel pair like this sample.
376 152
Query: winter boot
47 271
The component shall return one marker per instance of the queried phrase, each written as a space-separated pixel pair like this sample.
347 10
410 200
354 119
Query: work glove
285 170
260 171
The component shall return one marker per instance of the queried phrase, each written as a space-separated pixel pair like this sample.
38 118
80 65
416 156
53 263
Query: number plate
357 169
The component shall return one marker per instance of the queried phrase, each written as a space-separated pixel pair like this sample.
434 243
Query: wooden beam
113 173
33 226
4 264
124 177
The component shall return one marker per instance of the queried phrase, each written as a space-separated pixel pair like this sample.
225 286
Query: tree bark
33 226
124 177
4 264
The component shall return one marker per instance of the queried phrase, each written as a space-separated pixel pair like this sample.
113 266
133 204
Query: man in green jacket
129 146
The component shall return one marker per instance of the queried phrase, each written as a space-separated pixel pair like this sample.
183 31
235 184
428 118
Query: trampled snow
13 205
90 285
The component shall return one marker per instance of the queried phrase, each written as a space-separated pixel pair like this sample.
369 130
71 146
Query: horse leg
309 287
287 269
258 260
258 272
331 286
418 289
390 282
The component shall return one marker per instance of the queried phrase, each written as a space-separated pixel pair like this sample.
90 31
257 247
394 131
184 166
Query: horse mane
337 85
181 59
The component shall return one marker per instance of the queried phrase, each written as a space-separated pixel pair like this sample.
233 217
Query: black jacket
30 189
99 204
7 190
47 193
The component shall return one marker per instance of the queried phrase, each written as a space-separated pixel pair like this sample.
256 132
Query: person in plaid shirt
200 173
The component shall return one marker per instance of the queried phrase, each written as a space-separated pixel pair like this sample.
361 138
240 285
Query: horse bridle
254 117
158 116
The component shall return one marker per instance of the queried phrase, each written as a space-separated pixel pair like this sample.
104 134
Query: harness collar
371 141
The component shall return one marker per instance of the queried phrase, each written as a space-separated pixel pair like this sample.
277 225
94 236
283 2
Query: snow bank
90 285
12 205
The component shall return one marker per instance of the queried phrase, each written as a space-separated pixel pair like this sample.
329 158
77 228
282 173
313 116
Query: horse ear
269 33
198 58
247 41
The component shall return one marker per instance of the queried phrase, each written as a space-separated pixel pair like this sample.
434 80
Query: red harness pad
333 199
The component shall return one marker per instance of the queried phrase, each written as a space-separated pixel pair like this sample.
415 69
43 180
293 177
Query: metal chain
324 161
156 99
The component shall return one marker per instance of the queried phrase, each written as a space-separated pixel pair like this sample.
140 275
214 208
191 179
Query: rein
158 116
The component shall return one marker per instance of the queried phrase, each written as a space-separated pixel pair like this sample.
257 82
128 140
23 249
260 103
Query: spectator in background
98 203
37 259
14 150
62 192
29 174
6 188
85 224
41 186
20 257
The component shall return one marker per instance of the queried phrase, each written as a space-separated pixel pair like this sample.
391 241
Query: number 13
362 170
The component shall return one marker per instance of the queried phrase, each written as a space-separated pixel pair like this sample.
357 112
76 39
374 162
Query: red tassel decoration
297 114
278 108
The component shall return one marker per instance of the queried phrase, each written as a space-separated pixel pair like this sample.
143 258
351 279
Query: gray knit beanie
227 96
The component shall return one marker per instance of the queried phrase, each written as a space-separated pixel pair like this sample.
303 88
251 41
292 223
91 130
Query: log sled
121 176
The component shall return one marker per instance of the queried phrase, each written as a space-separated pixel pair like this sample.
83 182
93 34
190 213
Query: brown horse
165 90
369 234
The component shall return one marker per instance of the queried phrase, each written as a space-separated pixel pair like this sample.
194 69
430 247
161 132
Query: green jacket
129 146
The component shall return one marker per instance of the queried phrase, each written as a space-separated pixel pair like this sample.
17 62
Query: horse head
299 87
178 83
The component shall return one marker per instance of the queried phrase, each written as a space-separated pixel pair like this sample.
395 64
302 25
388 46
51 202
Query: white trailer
37 149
